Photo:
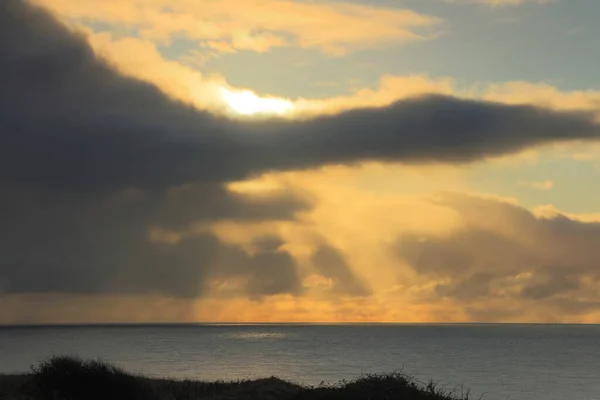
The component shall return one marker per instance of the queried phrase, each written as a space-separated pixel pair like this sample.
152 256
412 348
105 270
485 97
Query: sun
245 102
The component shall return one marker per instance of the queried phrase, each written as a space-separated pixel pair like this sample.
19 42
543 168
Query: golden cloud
259 25
517 266
141 58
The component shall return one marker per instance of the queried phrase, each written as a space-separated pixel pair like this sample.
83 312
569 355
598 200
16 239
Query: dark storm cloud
70 121
268 270
504 252
87 159
70 243
330 263
91 160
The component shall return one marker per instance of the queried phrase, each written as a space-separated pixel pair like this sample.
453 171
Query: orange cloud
494 261
392 88
258 25
182 80
542 94
141 59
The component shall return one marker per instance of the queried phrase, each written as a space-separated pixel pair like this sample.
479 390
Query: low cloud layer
91 162
54 242
506 255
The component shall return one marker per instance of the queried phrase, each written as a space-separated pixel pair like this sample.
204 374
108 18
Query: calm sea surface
518 362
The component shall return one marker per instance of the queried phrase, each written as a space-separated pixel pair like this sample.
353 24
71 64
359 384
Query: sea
494 361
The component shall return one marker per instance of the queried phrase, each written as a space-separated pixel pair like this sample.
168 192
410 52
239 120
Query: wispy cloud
541 185
258 25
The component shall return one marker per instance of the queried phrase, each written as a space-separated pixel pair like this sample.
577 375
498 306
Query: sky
299 161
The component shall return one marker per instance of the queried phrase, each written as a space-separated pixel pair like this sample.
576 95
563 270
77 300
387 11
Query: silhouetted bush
380 387
67 378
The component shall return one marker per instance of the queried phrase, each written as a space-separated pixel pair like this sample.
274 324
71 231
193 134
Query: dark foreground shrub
380 387
68 378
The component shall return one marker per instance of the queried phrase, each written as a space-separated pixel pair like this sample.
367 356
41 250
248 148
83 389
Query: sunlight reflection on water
253 335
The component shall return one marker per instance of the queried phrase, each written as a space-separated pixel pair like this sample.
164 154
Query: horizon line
307 323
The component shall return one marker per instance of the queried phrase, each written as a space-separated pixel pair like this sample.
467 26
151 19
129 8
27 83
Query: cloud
542 95
94 129
453 256
100 172
362 225
99 235
500 3
68 308
504 253
549 211
233 25
141 59
331 264
542 185
392 88
126 242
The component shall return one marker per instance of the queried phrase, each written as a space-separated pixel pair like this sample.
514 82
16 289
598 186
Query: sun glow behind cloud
245 102
392 233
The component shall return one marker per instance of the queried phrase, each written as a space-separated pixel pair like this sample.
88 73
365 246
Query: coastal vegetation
71 378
